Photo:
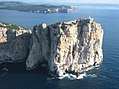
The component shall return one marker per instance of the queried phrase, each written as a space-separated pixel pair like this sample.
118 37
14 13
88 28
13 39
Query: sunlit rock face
67 46
14 43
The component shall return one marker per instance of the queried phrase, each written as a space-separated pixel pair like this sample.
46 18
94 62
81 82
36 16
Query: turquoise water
14 76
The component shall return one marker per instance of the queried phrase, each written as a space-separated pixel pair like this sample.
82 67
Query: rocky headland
35 8
65 47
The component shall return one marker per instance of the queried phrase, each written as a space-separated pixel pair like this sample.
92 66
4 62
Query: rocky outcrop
14 43
67 47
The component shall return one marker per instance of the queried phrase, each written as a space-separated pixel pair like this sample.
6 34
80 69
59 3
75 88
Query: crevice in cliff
49 39
34 32
69 46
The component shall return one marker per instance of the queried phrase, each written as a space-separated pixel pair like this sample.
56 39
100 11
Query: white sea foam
4 72
74 77
81 76
92 75
5 69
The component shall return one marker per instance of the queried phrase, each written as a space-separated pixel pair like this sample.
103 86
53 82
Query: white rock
68 46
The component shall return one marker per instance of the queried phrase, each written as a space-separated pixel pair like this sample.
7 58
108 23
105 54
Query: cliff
14 43
67 47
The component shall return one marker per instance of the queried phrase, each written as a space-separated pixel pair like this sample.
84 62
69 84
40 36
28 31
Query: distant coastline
42 8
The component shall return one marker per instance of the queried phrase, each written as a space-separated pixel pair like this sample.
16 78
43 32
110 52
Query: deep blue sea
14 76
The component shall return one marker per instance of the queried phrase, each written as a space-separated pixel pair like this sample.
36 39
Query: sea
106 76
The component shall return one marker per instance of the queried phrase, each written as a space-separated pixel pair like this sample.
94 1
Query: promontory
65 47
35 8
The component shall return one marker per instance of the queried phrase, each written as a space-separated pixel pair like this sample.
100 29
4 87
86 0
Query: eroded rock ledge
66 46
14 43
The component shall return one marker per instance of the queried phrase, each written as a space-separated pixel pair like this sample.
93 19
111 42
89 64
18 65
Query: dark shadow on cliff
7 64
15 48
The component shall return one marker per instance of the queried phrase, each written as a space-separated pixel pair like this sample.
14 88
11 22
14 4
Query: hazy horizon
69 1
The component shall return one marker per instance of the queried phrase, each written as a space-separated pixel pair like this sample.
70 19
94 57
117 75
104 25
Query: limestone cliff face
67 46
14 43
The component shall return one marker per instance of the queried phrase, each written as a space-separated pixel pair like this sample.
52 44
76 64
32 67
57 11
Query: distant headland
41 8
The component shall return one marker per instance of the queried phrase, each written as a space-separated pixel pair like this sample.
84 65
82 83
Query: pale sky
70 1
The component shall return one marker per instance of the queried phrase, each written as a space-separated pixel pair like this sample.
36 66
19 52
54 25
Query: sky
70 1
